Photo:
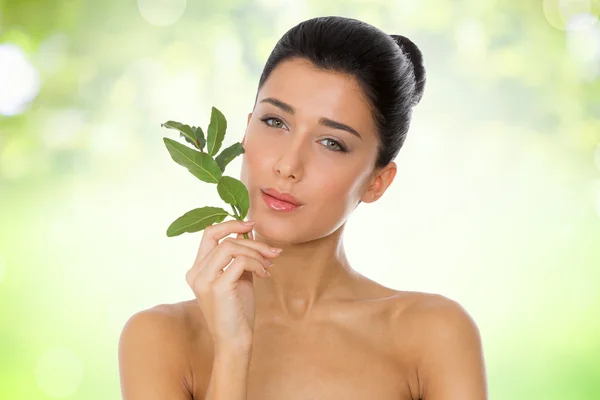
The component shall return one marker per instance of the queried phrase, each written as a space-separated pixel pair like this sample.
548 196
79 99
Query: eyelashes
340 148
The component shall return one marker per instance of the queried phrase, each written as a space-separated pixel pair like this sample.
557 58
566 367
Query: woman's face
287 148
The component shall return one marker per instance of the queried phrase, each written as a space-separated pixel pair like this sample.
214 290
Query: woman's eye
279 123
336 146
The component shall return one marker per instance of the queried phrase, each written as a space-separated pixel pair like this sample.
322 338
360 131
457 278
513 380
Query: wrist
233 352
229 376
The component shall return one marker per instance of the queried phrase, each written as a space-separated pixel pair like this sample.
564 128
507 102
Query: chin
272 235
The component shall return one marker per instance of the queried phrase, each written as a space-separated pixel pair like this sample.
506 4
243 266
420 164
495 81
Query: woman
332 110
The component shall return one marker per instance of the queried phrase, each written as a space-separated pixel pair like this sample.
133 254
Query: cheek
253 162
253 153
257 141
339 185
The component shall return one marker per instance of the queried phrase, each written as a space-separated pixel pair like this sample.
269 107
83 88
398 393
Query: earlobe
370 195
367 196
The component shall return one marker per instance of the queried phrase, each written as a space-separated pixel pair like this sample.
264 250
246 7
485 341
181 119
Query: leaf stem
239 218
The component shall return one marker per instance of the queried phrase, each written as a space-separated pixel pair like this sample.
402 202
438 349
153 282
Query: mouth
285 197
278 204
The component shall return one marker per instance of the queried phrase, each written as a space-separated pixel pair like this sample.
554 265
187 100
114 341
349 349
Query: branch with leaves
203 166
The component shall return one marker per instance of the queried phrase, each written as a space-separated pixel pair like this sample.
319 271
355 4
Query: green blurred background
496 203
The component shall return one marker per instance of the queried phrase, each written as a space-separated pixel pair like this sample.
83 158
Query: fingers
211 267
203 280
250 235
263 248
230 248
238 267
213 233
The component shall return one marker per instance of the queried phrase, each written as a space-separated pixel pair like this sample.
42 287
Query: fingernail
275 249
248 223
267 273
268 262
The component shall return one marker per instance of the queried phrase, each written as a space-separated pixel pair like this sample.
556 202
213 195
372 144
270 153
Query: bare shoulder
436 312
180 322
446 345
154 346
436 318
157 321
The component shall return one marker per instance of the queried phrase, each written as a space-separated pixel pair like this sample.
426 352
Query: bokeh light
571 14
59 372
19 80
583 46
162 12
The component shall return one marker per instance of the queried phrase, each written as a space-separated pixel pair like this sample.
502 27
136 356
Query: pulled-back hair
388 68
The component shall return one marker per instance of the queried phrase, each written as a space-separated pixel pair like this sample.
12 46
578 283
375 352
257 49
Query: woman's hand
226 297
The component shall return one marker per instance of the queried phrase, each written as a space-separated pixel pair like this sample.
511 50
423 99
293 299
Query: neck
303 276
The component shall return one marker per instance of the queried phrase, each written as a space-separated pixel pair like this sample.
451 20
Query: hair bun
412 52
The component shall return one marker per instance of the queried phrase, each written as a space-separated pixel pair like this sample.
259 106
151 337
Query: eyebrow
323 121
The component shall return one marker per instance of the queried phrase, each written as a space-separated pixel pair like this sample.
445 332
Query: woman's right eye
265 119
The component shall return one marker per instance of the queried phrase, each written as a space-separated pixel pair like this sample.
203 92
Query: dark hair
388 68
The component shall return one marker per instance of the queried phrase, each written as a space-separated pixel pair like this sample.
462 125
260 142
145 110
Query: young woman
332 110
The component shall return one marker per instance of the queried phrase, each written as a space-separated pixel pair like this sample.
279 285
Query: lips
276 204
287 197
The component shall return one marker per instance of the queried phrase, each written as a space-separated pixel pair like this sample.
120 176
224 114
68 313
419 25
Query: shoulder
157 331
439 320
154 345
447 345
160 320
439 315
160 333
180 322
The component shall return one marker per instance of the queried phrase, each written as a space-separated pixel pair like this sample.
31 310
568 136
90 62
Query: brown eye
277 124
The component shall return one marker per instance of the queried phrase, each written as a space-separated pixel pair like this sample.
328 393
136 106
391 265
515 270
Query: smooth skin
315 328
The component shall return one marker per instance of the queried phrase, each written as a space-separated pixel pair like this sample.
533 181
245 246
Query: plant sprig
204 166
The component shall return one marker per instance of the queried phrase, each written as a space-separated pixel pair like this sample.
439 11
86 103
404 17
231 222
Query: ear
379 183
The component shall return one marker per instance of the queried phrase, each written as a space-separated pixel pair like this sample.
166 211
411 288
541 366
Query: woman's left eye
339 147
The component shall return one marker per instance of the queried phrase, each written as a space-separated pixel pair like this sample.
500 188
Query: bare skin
322 330
386 345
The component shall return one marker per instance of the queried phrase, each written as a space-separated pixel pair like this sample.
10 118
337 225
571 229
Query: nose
289 165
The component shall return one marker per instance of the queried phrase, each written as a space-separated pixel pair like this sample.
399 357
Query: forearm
229 377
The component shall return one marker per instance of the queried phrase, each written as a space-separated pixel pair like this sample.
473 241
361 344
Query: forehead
318 93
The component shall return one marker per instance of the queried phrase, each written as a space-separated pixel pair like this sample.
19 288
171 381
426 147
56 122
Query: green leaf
200 164
199 134
185 131
193 143
233 192
228 155
216 131
196 220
